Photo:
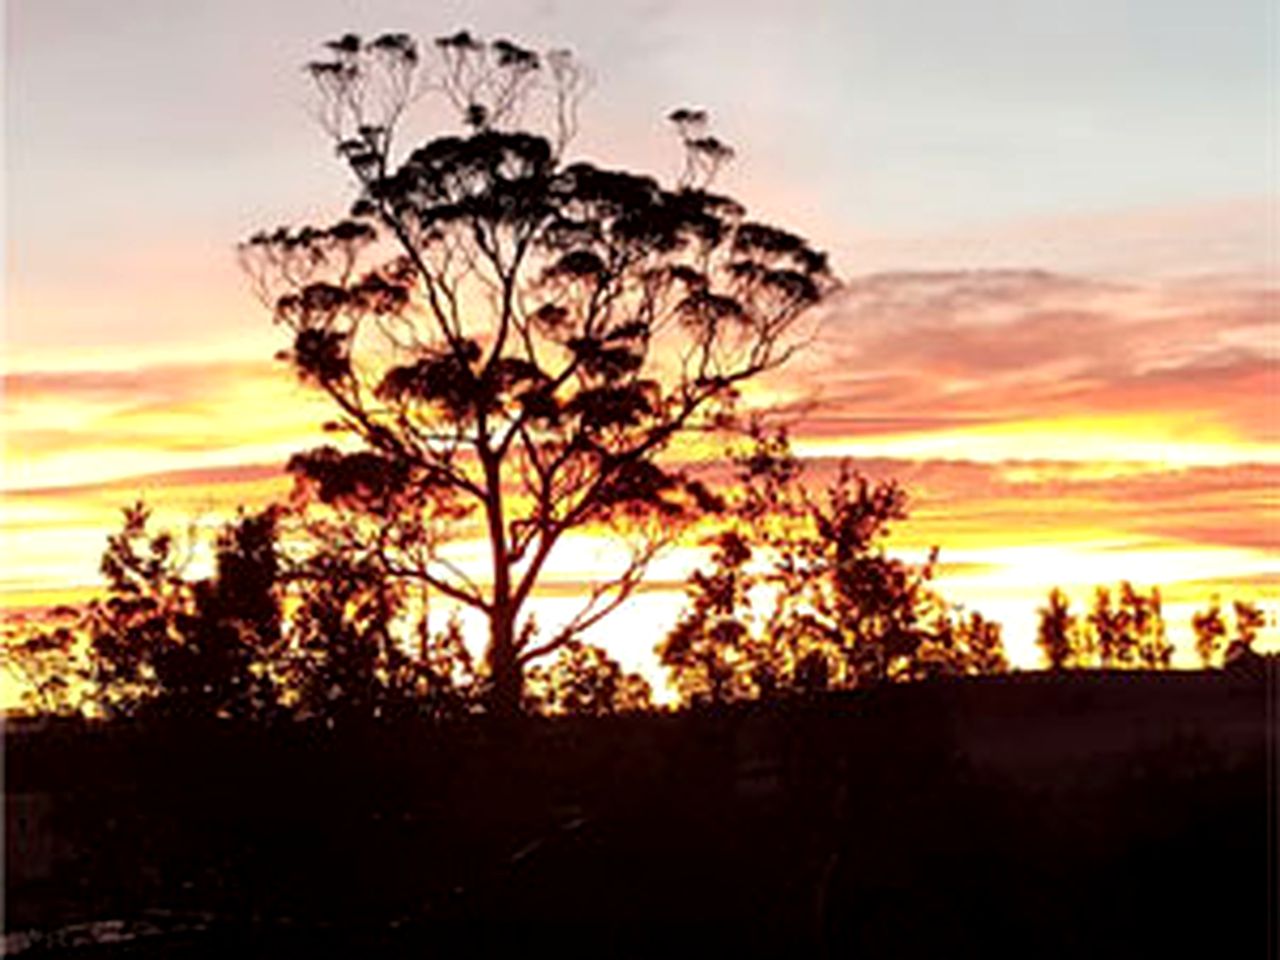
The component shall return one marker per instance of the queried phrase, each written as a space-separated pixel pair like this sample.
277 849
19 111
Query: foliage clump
802 596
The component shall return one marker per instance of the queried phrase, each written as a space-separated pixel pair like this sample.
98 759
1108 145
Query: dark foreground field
1091 815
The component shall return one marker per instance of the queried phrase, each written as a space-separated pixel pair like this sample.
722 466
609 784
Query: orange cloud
1012 360
97 425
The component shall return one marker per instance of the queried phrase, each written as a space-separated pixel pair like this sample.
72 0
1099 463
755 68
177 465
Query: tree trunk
504 667
505 672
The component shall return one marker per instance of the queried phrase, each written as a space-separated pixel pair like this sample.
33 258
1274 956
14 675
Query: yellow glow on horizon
1136 438
1106 563
79 456
111 423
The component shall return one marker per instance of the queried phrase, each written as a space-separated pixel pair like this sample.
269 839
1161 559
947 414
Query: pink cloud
919 351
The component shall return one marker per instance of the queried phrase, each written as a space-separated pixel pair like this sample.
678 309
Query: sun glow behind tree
1144 330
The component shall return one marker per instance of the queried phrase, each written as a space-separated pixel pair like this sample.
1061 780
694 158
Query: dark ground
1091 815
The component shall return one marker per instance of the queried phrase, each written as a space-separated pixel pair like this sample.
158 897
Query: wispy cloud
921 352
82 426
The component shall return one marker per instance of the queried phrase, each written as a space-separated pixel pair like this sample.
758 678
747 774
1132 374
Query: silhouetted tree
835 610
1249 621
711 651
1130 631
1144 620
1125 630
146 604
224 661
1056 634
161 642
583 680
1111 643
358 648
515 340
967 645
1210 631
46 658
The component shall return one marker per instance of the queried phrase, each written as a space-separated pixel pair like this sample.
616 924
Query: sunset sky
1056 225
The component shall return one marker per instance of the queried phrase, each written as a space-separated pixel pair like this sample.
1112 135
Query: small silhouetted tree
583 680
1129 631
44 655
801 595
142 615
1124 629
160 642
970 645
1107 624
1210 630
1056 632
514 340
1249 619
1143 615
359 650
711 652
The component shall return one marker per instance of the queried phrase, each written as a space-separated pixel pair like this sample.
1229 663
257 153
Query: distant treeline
1127 630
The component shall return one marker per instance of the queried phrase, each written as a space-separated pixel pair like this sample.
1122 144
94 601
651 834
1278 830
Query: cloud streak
97 425
915 353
